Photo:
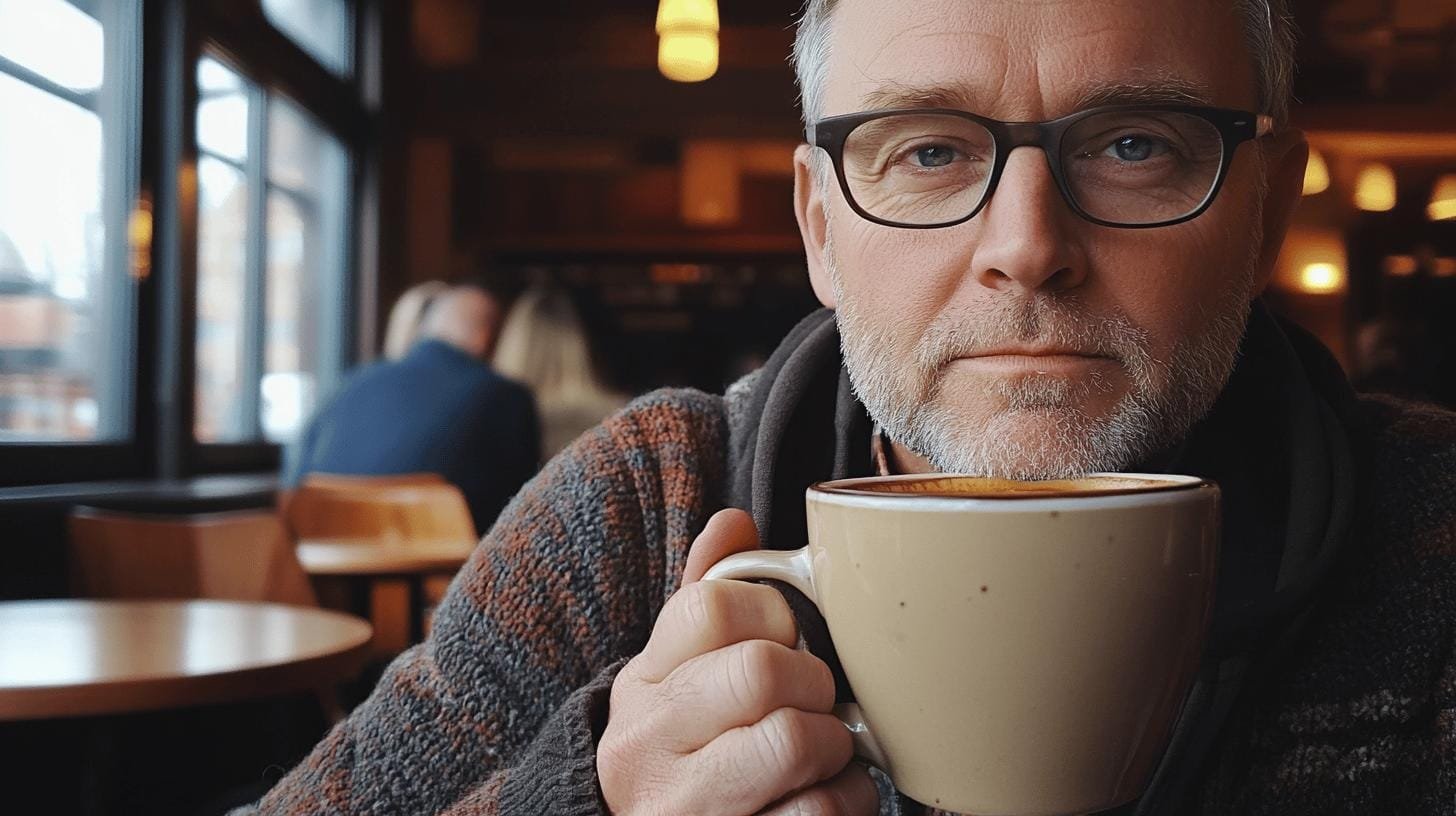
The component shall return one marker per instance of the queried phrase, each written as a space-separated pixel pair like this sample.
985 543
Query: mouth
1034 360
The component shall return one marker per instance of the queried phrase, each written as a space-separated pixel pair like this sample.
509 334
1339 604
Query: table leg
390 602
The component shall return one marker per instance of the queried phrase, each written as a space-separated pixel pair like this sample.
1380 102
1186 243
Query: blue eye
1136 148
934 156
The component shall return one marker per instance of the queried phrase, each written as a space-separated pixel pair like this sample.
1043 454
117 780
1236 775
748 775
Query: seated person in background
544 345
403 328
440 409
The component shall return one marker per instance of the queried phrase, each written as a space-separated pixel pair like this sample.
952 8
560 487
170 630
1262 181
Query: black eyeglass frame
1234 128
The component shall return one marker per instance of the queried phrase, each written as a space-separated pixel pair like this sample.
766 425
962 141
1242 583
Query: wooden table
351 557
410 561
69 658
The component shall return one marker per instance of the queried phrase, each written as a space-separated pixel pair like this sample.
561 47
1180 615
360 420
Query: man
1009 299
440 409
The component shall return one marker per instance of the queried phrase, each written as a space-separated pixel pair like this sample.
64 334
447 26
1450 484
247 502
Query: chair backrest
380 512
347 481
344 481
243 556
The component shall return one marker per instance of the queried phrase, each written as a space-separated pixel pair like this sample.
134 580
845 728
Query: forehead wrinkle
892 94
1164 88
974 67
1028 66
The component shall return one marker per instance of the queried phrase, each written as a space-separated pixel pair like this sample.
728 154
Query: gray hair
1268 33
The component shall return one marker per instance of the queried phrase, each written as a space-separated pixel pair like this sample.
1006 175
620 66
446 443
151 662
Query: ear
1285 153
813 224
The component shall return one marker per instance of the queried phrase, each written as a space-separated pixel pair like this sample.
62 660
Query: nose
1027 239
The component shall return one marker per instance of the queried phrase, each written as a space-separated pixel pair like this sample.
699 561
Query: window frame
173 35
239 35
123 167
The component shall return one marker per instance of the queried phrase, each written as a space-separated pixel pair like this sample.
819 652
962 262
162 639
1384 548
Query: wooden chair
379 510
239 556
347 481
386 509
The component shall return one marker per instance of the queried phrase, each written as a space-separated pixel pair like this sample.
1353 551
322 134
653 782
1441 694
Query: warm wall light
1316 174
712 184
1375 188
687 50
1401 266
1443 199
1321 278
139 236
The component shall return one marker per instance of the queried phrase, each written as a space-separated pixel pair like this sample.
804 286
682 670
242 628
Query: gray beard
1041 431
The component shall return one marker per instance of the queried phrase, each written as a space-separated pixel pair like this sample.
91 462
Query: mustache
1042 321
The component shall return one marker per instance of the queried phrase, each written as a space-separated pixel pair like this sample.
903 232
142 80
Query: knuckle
785 738
706 605
624 684
755 675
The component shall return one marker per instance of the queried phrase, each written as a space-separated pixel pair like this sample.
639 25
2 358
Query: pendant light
1375 188
1443 199
687 47
1316 174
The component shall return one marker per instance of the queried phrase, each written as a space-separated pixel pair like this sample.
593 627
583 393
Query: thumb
727 532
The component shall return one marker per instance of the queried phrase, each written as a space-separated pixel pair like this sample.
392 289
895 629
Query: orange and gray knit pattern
567 584
499 712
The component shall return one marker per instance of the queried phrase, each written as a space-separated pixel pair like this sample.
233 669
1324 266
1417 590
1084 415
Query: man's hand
720 714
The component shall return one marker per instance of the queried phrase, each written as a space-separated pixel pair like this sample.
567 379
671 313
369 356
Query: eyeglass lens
1128 167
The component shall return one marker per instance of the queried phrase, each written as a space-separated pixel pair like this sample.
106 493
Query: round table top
354 557
66 658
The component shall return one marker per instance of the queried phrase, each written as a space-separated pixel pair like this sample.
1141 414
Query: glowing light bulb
1321 278
1375 188
1443 199
687 50
1316 174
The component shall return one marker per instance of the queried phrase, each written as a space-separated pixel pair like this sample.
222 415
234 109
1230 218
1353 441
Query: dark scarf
1275 442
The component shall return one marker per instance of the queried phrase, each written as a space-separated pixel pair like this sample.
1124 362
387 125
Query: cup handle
792 568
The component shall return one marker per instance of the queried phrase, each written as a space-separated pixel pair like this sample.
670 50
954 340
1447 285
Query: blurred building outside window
68 168
273 201
323 28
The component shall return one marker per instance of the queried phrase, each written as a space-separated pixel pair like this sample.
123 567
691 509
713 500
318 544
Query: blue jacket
437 410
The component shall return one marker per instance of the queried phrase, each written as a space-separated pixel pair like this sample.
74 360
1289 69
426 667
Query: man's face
1028 342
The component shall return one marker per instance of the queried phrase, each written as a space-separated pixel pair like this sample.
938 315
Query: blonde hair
406 316
544 345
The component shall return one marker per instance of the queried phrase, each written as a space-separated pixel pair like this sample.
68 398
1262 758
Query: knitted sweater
499 711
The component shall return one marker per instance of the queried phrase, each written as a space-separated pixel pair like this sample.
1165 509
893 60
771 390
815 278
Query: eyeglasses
1121 166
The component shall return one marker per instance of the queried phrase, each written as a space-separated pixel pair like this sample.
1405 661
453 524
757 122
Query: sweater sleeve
498 711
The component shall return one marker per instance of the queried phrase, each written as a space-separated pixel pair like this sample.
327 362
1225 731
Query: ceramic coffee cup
1014 648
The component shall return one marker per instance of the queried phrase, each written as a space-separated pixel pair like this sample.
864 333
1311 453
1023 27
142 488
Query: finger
727 532
850 793
786 751
737 686
708 615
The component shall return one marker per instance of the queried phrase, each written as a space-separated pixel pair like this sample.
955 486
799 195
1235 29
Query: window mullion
116 313
254 345
81 99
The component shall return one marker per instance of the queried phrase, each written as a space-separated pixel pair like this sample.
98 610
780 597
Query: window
320 27
273 207
68 181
